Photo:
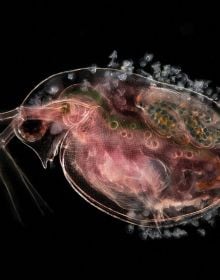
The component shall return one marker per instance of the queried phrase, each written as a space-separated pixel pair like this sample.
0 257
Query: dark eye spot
32 126
32 130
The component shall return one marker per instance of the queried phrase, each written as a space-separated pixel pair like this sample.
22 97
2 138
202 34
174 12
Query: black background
40 39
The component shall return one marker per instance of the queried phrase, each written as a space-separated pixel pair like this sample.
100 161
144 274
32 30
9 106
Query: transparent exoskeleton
145 152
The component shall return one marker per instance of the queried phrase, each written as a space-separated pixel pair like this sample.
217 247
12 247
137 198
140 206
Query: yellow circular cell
114 125
133 126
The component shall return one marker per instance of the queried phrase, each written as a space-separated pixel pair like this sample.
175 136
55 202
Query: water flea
165 178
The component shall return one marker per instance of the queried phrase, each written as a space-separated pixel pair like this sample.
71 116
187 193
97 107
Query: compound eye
32 130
